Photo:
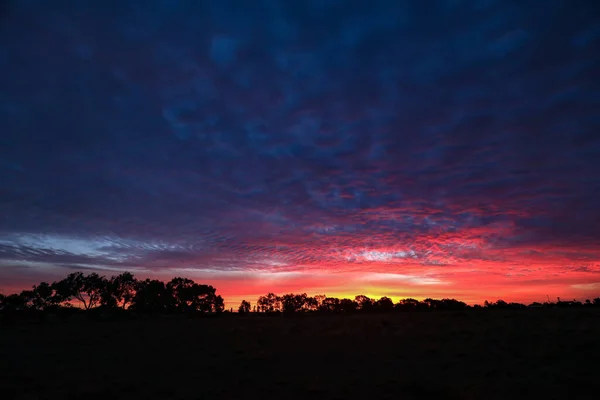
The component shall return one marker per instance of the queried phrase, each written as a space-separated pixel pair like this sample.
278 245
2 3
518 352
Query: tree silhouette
347 305
43 297
330 304
219 304
311 304
183 292
119 291
408 305
384 304
15 302
269 303
205 299
292 303
512 305
178 295
244 307
319 300
26 296
334 305
87 290
152 296
431 304
364 303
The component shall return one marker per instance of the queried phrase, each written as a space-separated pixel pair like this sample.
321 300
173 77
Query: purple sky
400 148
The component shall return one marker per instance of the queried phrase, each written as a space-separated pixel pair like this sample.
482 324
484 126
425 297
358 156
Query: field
547 354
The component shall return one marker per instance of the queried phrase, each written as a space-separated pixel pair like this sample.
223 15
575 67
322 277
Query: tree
244 307
319 300
152 296
384 304
26 297
269 303
501 304
87 290
408 305
183 292
15 302
347 305
335 305
329 304
205 299
292 303
431 303
179 294
498 304
364 303
451 304
311 304
43 297
119 291
219 305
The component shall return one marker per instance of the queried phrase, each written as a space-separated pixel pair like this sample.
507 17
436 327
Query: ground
549 354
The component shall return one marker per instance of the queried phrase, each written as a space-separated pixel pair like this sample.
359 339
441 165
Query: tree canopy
124 291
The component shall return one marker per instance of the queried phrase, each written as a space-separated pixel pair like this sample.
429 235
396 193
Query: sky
387 148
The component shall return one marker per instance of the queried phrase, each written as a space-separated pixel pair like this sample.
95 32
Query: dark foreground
549 354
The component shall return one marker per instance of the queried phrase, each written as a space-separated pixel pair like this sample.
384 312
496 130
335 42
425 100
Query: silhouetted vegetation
244 307
80 292
121 292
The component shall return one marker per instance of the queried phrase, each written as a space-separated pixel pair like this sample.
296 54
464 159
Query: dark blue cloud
273 133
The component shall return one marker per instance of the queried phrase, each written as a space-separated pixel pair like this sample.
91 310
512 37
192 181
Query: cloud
321 136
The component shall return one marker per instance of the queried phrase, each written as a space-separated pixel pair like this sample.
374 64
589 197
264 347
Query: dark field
546 354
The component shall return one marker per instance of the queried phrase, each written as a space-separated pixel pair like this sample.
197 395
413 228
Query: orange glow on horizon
470 265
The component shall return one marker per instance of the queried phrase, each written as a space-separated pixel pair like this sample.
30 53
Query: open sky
399 148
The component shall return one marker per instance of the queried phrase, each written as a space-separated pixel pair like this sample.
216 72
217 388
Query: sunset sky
387 148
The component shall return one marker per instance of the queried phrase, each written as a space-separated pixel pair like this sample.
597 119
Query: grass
547 354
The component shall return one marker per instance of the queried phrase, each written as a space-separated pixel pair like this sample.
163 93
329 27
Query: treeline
294 303
120 292
124 292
